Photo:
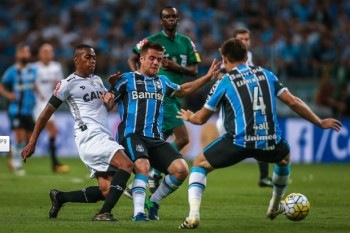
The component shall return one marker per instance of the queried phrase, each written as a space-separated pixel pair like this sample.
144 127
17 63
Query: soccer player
84 93
244 35
180 58
248 97
18 85
140 96
49 74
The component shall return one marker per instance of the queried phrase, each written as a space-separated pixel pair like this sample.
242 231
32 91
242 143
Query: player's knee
104 188
127 166
142 166
179 169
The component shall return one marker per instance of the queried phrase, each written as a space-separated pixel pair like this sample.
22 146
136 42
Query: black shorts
159 152
223 153
22 122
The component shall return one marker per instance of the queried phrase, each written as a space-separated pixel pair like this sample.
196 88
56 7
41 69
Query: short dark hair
151 45
166 7
80 47
21 45
234 50
240 31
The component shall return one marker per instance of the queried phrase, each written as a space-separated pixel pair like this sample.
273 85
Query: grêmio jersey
247 96
181 50
140 104
22 83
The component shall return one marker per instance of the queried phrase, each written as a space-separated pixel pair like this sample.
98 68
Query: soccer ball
297 206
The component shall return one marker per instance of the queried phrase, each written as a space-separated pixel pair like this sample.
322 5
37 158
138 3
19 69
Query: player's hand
214 68
12 97
184 114
28 151
331 123
169 64
108 98
114 78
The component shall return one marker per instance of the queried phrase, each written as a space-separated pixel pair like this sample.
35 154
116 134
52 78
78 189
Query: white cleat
190 223
273 213
127 193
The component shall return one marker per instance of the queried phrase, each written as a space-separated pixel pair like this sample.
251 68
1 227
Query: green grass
232 202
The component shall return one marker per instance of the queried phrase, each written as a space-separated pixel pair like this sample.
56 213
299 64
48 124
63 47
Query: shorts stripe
211 144
128 141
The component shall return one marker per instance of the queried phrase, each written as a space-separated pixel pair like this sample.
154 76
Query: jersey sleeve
279 87
193 55
216 93
171 87
62 90
120 87
8 79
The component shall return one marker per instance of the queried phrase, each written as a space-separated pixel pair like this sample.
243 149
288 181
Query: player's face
46 53
85 62
150 62
245 38
23 55
169 19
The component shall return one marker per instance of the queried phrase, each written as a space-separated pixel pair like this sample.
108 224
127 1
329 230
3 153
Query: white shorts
39 107
96 148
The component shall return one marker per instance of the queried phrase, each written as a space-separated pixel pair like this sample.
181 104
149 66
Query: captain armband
55 102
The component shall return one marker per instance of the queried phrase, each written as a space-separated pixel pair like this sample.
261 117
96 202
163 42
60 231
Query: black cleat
56 206
104 217
266 182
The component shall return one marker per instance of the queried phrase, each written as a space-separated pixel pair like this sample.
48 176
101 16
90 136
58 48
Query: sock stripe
198 169
282 170
198 185
141 177
174 180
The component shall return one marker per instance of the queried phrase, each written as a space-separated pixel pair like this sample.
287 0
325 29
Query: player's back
250 107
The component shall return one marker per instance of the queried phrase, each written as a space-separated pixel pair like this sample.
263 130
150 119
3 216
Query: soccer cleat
127 192
266 182
190 223
55 205
152 208
140 217
59 168
273 213
104 217
153 182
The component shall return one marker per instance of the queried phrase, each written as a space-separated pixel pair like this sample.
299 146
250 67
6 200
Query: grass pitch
232 202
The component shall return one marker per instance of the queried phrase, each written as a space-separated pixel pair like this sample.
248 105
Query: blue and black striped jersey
22 83
247 96
140 104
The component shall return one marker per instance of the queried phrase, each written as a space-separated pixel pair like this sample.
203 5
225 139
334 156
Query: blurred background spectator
306 43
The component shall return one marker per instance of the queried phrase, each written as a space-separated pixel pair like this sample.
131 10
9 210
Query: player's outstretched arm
303 110
40 124
189 87
198 118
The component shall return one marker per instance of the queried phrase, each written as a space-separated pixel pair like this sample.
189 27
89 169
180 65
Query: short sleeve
62 90
171 87
216 93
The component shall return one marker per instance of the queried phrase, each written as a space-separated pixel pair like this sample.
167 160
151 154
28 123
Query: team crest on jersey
158 85
140 148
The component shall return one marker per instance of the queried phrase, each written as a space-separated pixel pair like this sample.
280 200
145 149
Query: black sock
52 147
90 194
116 189
264 169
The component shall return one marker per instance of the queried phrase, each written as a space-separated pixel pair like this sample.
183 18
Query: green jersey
181 50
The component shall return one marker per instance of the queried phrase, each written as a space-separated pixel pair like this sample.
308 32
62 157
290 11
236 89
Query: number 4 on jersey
258 101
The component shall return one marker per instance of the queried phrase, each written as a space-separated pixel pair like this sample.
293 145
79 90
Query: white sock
168 185
139 193
280 178
197 183
16 150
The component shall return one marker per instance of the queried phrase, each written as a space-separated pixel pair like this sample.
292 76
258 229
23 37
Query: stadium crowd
296 39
